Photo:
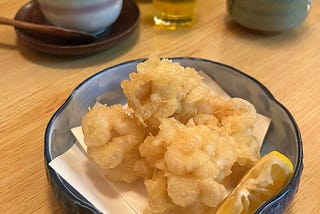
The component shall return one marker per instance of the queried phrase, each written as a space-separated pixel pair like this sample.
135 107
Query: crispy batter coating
113 137
187 143
195 161
235 113
161 203
159 88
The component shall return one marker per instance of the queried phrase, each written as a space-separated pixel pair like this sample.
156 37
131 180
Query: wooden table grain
33 85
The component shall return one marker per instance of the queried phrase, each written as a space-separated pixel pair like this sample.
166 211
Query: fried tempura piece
158 89
233 117
194 159
236 113
186 142
113 138
161 203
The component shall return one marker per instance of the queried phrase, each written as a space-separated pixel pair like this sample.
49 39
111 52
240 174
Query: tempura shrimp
113 138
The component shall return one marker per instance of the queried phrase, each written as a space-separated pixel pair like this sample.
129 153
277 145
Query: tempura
185 142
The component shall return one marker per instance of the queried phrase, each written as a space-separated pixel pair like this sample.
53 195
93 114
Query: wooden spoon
69 36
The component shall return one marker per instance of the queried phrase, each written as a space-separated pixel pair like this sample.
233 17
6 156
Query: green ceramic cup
269 15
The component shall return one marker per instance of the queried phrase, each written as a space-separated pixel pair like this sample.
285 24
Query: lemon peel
263 181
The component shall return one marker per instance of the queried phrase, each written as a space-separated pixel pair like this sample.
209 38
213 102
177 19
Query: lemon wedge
264 180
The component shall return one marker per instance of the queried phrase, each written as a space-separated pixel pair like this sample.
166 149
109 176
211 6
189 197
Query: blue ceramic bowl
283 134
269 15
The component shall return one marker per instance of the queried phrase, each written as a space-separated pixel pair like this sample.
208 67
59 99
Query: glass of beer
172 14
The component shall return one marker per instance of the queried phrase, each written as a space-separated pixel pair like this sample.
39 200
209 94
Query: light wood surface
33 85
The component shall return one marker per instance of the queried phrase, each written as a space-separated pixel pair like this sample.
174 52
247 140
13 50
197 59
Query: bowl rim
56 177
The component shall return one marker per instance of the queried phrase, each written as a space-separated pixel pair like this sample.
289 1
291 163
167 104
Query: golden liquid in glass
174 13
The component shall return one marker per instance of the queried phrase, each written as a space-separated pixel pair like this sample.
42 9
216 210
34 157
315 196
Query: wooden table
33 85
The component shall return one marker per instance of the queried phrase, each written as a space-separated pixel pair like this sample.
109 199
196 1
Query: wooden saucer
121 29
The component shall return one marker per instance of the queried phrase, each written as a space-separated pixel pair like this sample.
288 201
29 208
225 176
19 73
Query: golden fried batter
187 143
113 138
195 160
159 88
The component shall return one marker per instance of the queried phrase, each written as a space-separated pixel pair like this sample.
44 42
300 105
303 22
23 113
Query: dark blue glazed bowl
104 86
